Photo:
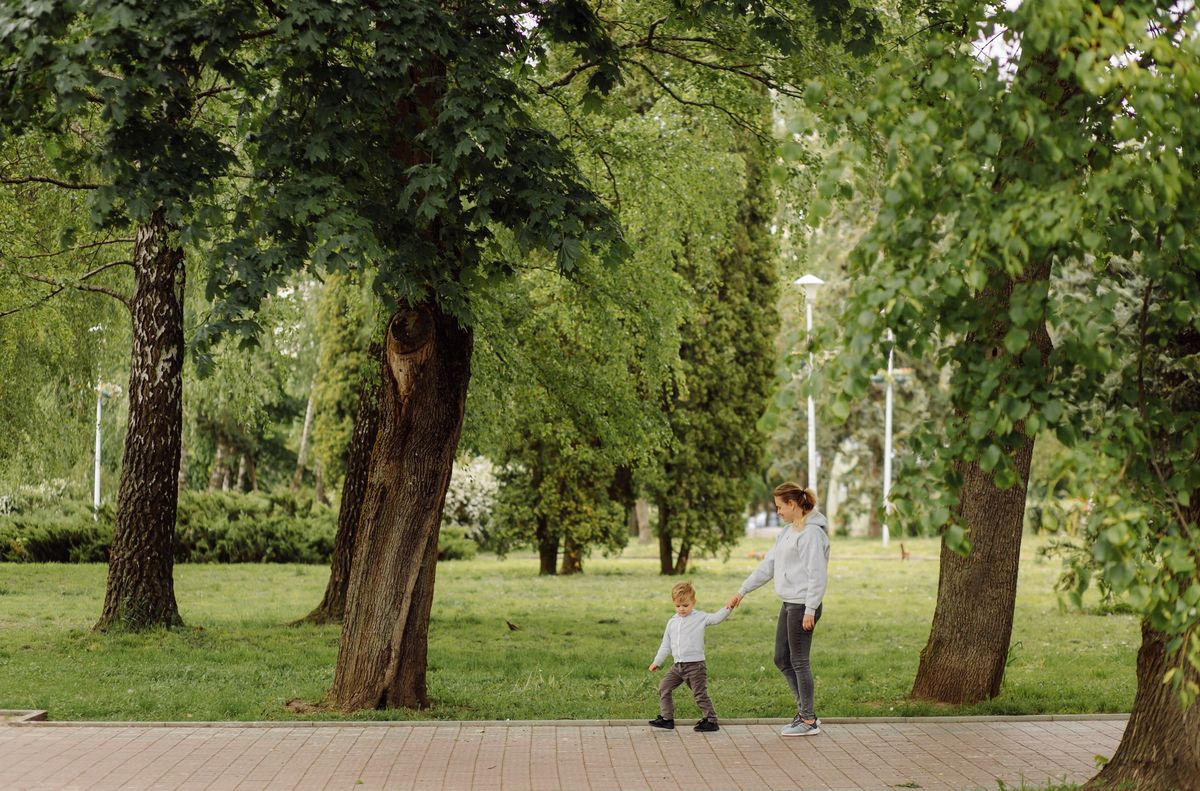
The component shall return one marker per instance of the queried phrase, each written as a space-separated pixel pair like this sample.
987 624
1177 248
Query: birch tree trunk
140 591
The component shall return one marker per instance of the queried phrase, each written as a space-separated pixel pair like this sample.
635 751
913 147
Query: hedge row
212 527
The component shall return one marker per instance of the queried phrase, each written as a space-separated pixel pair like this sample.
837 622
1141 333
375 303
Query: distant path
931 753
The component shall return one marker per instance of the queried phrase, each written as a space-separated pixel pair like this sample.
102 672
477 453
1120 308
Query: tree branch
737 120
744 71
48 180
80 285
88 246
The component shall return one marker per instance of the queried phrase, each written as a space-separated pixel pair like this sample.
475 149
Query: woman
799 564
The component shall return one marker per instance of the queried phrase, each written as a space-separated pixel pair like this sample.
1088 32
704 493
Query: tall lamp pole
810 284
99 408
887 440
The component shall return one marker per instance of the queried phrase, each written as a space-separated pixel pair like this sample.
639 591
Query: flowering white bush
471 497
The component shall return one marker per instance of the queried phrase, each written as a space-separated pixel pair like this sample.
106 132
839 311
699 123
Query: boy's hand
653 667
735 601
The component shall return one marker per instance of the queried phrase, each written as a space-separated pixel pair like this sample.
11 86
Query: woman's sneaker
659 722
707 726
801 728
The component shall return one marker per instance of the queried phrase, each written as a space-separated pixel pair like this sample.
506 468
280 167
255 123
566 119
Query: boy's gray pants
695 675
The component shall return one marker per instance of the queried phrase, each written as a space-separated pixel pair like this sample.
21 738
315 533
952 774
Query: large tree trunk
547 542
683 558
381 658
1160 749
572 561
666 556
140 592
964 659
358 466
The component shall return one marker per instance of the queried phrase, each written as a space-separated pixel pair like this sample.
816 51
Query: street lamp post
887 439
96 486
810 284
99 409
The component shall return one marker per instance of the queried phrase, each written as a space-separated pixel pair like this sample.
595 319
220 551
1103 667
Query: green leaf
1016 339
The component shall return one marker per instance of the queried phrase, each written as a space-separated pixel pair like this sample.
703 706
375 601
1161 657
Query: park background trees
521 155
1034 165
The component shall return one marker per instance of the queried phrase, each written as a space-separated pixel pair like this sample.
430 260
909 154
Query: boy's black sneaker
707 726
659 722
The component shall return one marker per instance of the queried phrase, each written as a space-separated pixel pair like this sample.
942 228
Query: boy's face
684 607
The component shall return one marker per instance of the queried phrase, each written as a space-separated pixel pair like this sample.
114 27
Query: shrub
454 543
212 527
232 527
56 537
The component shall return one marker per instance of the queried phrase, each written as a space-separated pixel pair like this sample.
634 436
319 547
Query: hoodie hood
817 518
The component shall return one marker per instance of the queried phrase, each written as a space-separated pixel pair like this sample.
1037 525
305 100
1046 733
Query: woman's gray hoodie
799 563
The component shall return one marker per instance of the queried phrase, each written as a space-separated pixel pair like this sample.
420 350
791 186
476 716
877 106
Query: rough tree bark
1160 749
547 542
141 592
666 556
572 560
427 368
964 659
332 608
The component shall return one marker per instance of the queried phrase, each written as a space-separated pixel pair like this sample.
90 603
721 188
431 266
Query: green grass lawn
581 651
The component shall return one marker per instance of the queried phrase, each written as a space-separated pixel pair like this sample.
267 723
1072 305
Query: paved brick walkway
925 753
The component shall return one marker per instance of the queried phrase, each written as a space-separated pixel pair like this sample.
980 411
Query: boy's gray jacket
799 562
683 638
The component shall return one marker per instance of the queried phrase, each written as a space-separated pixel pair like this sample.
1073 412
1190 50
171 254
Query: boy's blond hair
683 591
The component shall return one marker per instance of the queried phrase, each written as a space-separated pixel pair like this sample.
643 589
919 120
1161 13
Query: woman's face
788 511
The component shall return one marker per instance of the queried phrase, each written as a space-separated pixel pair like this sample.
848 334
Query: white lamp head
809 283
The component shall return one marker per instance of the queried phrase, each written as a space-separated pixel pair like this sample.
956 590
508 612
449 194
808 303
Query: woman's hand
809 622
735 601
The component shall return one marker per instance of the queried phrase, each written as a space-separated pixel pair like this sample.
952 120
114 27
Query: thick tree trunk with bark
964 660
140 592
666 555
547 542
683 558
965 657
572 560
381 658
1160 749
358 466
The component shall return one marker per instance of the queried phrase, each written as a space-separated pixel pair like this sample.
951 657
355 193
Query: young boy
683 639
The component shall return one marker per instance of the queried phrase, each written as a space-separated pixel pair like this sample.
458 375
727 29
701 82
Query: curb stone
37 718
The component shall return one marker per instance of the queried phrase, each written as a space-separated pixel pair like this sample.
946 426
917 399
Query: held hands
653 667
735 601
